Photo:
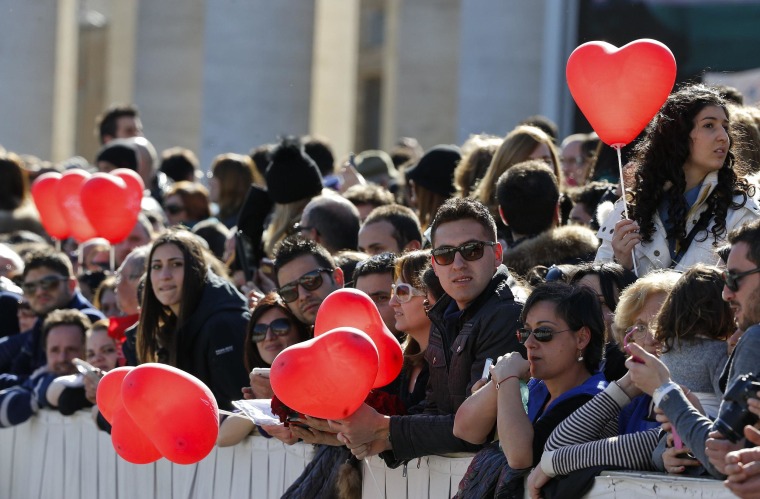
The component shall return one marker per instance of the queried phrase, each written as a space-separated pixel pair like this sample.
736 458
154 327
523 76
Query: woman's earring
426 305
580 355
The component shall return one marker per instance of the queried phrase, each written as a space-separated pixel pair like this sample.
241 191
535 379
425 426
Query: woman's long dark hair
695 308
271 301
157 340
659 160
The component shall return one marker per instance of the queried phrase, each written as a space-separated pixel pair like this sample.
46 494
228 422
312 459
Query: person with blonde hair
521 144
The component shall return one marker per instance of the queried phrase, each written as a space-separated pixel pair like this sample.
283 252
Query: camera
734 414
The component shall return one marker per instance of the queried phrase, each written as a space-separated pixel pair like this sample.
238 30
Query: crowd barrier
53 456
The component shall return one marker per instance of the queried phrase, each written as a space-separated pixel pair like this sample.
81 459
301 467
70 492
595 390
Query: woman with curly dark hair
687 192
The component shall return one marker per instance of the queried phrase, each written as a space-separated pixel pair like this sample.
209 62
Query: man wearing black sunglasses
476 319
306 273
48 285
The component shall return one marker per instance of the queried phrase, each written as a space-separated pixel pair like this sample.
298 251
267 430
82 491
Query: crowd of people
553 324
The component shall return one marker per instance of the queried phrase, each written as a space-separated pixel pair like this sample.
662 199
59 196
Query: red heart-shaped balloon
108 395
350 307
111 204
176 410
328 376
70 203
619 90
45 195
129 441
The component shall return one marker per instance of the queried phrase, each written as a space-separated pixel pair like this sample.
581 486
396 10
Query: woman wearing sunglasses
272 329
410 300
191 318
617 428
686 193
563 333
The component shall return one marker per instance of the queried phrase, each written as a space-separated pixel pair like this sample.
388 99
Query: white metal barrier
67 457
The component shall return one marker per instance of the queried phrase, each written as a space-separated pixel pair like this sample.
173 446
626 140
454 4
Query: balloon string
379 492
58 245
625 203
113 258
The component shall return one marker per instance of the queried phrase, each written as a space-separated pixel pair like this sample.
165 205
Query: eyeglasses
130 277
732 280
470 251
404 292
47 283
309 281
279 327
572 160
174 209
638 333
542 334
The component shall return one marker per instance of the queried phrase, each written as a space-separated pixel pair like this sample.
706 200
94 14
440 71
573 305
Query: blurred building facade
228 75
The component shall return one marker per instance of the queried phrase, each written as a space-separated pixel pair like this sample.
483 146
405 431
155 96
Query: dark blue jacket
22 354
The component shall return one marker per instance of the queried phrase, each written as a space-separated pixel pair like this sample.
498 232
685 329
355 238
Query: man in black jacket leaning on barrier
475 320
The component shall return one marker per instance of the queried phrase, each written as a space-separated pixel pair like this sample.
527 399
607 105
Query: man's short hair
65 317
336 220
406 225
527 194
748 233
49 258
107 122
456 209
383 263
371 194
295 246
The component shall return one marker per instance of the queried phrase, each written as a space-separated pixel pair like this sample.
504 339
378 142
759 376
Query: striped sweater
591 437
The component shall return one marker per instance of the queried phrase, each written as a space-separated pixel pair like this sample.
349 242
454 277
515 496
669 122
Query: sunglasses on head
404 292
470 251
174 209
279 327
309 281
542 334
47 283
732 280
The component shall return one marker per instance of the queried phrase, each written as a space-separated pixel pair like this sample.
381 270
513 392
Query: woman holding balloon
191 318
686 194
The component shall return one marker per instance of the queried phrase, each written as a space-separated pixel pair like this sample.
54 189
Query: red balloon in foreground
130 442
108 395
349 307
328 376
70 204
45 195
174 409
112 203
619 90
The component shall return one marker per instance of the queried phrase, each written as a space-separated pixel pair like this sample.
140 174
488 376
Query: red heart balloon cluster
350 307
158 410
352 352
619 90
84 206
328 376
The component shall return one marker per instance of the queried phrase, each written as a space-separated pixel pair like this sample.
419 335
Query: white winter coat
656 255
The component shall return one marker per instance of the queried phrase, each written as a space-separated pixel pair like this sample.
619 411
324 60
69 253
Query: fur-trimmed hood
563 245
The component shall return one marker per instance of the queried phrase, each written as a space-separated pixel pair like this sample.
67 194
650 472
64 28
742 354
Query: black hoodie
210 344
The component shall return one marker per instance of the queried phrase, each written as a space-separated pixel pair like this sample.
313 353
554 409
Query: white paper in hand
257 410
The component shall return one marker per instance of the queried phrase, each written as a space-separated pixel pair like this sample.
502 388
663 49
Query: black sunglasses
310 281
542 334
470 251
732 280
47 283
279 327
174 209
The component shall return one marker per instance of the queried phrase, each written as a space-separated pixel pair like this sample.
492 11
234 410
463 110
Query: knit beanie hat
292 175
435 170
120 154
